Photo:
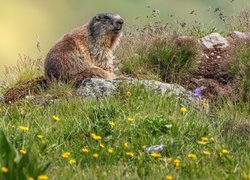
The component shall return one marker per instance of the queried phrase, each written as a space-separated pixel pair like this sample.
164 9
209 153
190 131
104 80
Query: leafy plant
18 166
156 125
240 66
170 61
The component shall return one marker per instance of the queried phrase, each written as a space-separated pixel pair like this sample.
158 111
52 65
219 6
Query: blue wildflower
39 101
1 98
197 92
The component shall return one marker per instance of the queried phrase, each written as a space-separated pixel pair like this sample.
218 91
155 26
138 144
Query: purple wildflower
1 98
39 101
197 92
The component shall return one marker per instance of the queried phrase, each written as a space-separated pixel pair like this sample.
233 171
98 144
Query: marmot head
106 24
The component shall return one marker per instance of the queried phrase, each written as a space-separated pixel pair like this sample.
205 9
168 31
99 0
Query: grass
165 59
240 67
139 120
26 69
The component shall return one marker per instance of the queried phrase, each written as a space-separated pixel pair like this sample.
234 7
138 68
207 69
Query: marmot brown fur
86 51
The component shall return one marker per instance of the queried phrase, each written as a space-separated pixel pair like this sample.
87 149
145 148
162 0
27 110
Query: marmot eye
106 17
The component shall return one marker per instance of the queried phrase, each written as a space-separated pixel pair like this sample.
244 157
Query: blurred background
27 23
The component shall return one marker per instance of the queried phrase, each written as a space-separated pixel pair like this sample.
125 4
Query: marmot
86 51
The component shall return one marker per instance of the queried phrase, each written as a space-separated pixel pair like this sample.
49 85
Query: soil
212 74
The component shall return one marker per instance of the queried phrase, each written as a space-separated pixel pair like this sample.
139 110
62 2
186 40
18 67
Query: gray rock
214 39
155 148
185 38
240 35
97 88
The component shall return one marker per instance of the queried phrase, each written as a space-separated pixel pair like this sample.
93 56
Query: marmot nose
118 24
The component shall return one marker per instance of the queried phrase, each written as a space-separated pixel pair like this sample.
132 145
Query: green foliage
240 66
102 115
200 30
26 69
156 125
170 61
140 118
59 89
18 166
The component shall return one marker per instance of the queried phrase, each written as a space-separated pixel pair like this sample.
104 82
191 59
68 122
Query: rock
98 88
30 97
185 38
155 148
212 40
240 35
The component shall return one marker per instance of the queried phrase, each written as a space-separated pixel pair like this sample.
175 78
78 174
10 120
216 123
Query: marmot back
86 51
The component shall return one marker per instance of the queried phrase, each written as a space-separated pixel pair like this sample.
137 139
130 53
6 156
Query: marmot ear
97 17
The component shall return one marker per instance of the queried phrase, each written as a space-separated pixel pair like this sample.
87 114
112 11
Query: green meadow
108 138
58 135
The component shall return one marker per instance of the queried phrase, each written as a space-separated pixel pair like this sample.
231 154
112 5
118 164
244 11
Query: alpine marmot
86 51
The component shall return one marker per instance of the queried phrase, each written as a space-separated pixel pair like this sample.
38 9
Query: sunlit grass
83 142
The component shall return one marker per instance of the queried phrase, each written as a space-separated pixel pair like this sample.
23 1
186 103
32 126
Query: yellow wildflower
191 155
131 154
72 161
101 145
183 110
212 139
204 139
4 169
39 136
207 153
155 155
24 128
23 152
95 137
111 124
130 119
169 160
31 178
66 155
177 163
56 118
85 150
42 177
129 94
110 151
248 177
169 177
202 142
126 145
224 151
95 155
